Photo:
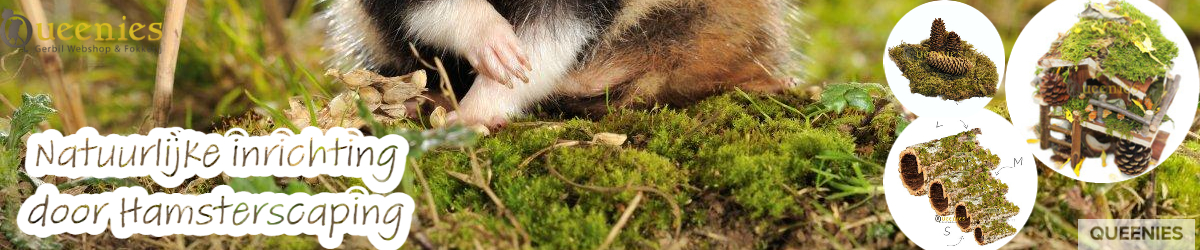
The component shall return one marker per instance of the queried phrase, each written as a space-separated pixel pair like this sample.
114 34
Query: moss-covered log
923 163
973 181
992 231
987 206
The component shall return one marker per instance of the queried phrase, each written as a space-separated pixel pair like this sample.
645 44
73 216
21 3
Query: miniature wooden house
1104 95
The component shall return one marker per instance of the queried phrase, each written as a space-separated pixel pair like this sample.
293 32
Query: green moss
1120 127
1113 44
998 106
1180 174
747 149
928 81
292 242
1076 105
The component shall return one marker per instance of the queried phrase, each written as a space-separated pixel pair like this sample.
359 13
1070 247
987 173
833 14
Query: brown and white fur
578 56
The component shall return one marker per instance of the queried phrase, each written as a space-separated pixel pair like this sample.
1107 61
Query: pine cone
948 64
953 42
937 35
1053 89
1132 158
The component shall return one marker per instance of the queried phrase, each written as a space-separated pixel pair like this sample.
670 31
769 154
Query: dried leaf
297 112
481 129
341 105
1097 29
609 139
395 110
1146 45
1104 159
439 117
1139 104
400 89
371 97
77 190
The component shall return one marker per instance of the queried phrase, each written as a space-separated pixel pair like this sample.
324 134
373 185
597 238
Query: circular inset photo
944 58
963 183
1102 91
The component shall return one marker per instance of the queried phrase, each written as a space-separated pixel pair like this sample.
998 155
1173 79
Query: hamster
576 56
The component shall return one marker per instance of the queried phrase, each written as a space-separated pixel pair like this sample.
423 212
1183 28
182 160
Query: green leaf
242 185
255 185
275 113
297 187
837 97
858 98
33 110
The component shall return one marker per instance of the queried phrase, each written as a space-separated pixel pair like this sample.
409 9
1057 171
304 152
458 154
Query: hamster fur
575 56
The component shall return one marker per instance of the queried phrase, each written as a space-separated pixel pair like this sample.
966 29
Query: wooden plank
1060 129
1165 103
1160 142
1076 142
1059 142
1044 122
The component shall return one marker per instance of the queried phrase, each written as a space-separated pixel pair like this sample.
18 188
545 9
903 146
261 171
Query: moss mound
1116 45
732 162
979 81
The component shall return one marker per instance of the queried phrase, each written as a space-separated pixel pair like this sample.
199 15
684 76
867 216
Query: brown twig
164 79
447 88
69 103
325 182
428 193
444 83
275 11
478 180
616 230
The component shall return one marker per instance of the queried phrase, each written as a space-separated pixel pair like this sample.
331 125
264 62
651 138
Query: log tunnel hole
937 197
979 235
909 170
960 214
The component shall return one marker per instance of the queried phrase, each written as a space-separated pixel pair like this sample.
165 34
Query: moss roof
1118 45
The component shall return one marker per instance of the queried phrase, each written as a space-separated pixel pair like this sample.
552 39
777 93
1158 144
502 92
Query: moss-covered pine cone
949 64
1053 89
1132 158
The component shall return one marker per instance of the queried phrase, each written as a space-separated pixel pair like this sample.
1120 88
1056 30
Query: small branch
479 180
433 214
275 11
616 230
68 102
164 79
